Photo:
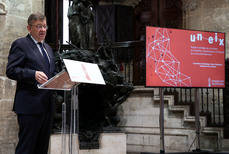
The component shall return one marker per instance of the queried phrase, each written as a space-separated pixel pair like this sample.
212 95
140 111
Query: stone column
13 22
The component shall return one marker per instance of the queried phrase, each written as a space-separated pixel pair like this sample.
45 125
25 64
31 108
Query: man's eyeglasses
39 27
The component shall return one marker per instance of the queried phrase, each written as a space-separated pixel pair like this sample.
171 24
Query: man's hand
40 77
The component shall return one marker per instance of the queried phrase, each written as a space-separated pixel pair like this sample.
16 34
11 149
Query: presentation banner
184 58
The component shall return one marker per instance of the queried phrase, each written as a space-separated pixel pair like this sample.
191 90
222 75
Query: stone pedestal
112 143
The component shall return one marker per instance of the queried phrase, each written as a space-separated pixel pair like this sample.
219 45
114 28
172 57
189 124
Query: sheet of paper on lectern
84 72
60 81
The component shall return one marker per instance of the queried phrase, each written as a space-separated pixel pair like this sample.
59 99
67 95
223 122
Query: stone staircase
139 116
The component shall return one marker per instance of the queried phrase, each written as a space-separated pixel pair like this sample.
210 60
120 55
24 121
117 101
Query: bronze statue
97 113
81 24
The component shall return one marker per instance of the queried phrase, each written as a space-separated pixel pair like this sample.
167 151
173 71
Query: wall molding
2 9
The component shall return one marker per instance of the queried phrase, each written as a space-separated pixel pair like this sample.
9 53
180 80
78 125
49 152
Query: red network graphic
166 66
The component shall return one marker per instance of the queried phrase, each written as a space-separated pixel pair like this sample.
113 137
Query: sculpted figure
81 24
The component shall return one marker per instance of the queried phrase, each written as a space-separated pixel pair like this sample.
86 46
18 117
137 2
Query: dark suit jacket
23 60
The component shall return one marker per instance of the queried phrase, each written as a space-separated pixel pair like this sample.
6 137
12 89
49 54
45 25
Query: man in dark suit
30 63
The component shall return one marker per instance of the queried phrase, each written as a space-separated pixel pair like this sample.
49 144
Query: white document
83 72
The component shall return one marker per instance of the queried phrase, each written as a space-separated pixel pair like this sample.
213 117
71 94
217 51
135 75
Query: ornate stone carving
132 3
2 9
190 5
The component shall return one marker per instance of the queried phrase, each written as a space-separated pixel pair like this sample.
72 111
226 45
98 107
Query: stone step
225 145
140 121
181 108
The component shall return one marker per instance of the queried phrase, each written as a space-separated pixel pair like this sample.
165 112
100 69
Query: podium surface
77 72
84 72
60 81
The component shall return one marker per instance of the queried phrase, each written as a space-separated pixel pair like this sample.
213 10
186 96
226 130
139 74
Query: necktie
44 55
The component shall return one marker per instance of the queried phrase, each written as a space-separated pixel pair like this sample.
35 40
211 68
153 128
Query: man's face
38 30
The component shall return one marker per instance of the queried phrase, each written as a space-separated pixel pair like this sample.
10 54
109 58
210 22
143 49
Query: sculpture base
112 143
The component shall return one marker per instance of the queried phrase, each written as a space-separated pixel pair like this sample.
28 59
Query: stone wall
110 143
207 15
13 22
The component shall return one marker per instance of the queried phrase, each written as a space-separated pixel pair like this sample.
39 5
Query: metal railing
211 102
